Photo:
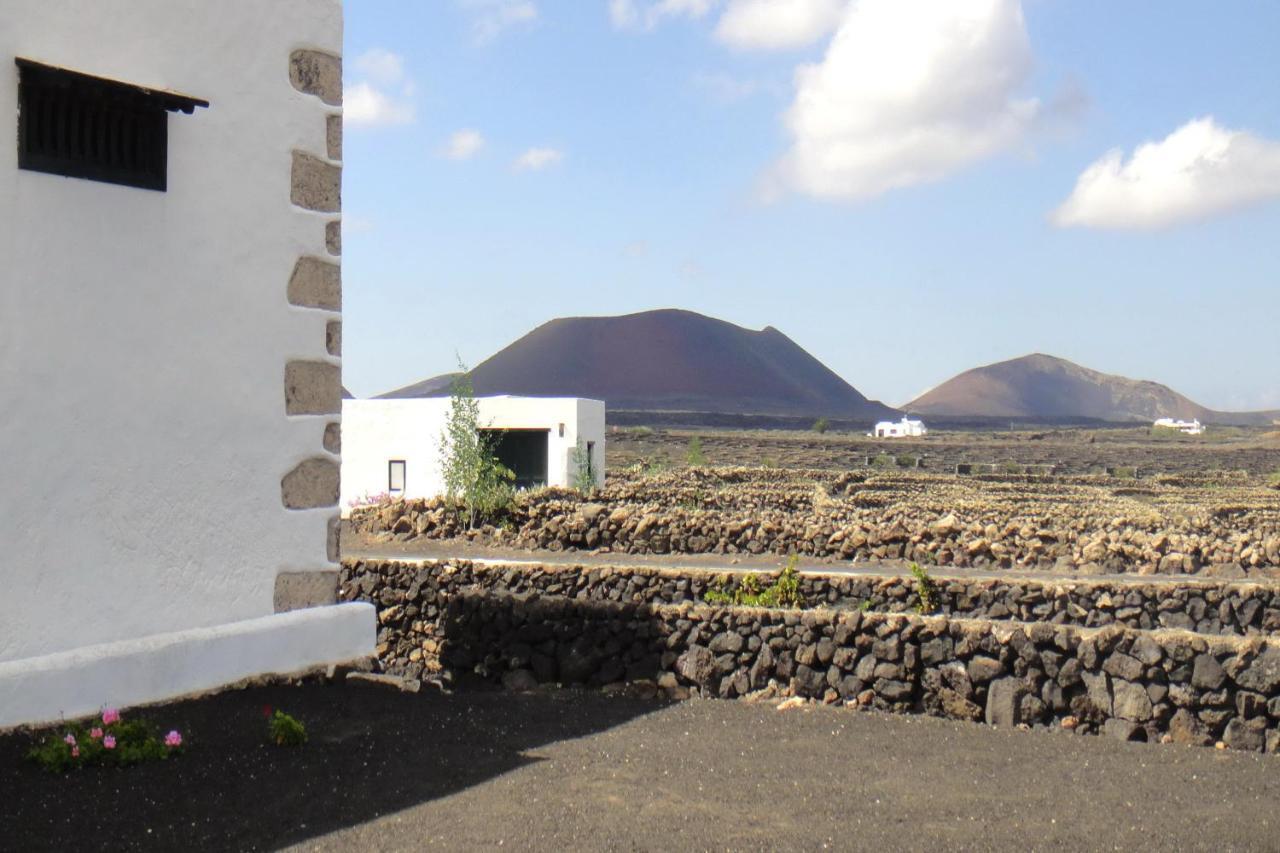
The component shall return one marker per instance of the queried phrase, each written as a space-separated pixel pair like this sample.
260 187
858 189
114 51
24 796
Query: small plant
108 740
926 590
1012 468
1124 473
694 455
751 591
284 730
821 425
884 460
906 461
1273 479
865 606
768 462
368 499
584 472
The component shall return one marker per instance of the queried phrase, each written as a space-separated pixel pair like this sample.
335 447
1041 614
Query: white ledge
79 682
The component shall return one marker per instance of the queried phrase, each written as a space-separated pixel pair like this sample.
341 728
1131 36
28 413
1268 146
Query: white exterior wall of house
905 428
375 432
144 338
1192 427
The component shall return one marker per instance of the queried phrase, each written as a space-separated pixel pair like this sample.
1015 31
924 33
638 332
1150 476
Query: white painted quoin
905 428
393 446
145 336
1192 427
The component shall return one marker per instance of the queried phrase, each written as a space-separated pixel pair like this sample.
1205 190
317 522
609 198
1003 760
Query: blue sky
907 189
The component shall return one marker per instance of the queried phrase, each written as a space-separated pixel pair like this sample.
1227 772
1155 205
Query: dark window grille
80 126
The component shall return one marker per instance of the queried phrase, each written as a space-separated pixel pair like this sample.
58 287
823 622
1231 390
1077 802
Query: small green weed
926 590
284 730
865 606
751 591
884 460
694 455
821 425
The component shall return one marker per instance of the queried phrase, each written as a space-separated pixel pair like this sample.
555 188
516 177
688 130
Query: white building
169 349
1192 427
393 446
905 428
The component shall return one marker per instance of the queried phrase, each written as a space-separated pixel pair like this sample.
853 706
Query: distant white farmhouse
905 428
1192 427
169 349
393 446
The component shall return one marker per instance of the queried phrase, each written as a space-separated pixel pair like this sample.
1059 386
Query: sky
906 188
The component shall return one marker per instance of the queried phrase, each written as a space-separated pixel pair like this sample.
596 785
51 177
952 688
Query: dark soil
372 750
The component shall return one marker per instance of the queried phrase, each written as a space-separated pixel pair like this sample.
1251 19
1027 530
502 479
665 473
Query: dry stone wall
1127 683
1084 524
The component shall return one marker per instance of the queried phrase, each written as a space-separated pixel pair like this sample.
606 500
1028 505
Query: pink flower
70 739
109 716
95 733
109 742
75 752
173 738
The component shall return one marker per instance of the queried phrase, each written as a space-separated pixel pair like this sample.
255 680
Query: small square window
80 126
395 476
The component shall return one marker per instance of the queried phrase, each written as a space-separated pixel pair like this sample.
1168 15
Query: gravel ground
712 775
570 770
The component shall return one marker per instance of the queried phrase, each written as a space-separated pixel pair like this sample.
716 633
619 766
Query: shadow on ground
372 751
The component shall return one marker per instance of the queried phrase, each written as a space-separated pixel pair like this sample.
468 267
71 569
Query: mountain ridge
664 360
1038 385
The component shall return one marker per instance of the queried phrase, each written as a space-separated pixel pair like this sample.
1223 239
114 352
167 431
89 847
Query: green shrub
884 460
1125 473
751 591
1273 479
284 730
694 455
926 590
905 461
821 425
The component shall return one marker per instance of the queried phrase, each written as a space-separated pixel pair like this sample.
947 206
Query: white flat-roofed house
1192 427
169 330
393 446
905 428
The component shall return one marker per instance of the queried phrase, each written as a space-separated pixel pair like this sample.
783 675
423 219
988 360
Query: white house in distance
1192 427
170 328
392 446
905 428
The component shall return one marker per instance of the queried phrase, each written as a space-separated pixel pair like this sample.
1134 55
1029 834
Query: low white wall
165 666
375 432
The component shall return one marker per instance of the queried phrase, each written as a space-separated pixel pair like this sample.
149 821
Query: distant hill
1044 387
667 360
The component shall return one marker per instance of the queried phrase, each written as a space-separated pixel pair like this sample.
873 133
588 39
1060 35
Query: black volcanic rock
666 360
1045 387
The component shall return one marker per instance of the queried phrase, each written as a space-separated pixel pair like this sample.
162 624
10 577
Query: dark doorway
524 451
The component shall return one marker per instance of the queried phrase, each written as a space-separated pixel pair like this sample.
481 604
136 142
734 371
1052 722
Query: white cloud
630 14
382 95
536 159
1199 170
365 106
777 24
907 93
464 144
381 66
492 17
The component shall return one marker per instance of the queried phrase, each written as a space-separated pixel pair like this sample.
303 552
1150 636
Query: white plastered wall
375 432
143 335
